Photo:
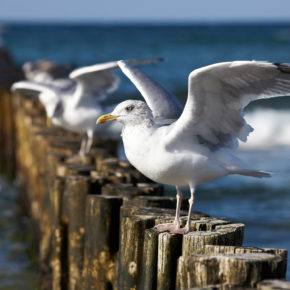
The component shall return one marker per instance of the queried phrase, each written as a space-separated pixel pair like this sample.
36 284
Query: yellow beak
106 118
48 122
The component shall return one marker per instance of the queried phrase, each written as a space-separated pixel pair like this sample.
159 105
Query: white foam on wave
271 129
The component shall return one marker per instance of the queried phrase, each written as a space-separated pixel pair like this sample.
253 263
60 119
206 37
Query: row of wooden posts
92 220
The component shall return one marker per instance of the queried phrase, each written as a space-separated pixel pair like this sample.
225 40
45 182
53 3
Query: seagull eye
129 108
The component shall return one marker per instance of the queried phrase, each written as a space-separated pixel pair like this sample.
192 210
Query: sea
263 205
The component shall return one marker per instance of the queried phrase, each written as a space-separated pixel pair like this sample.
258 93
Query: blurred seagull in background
75 102
45 71
194 145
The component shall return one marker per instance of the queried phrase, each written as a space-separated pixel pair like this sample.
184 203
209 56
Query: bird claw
181 231
172 228
168 227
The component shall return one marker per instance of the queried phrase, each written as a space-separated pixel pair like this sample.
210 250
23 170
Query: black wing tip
283 67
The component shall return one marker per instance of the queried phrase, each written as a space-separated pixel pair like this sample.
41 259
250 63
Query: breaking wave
271 129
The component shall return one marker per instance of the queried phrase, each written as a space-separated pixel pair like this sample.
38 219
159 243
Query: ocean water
262 204
18 268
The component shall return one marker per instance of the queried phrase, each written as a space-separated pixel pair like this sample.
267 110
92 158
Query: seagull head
130 111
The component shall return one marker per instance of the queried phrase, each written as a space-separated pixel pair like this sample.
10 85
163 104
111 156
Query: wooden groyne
92 220
9 73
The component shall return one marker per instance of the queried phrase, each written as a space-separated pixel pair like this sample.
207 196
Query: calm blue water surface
263 205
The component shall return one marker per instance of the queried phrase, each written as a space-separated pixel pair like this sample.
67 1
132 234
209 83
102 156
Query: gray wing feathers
164 105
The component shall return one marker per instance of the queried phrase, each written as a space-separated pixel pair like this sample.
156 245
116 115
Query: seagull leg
191 202
176 224
186 229
89 144
178 205
83 146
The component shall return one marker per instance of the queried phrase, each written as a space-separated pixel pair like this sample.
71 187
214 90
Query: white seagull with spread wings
195 145
75 103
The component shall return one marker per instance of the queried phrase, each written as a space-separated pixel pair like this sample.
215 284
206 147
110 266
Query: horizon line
143 22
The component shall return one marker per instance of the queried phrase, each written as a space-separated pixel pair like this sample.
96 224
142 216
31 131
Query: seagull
193 145
75 102
44 70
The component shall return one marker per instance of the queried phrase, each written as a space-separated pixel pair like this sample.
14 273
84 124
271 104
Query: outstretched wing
217 94
95 81
99 80
31 89
164 105
50 96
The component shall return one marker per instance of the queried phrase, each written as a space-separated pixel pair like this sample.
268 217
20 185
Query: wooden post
129 190
57 258
149 262
101 242
194 242
244 270
131 250
9 74
213 250
113 167
7 135
154 201
169 250
74 203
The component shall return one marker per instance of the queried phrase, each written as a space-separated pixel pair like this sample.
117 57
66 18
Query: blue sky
145 10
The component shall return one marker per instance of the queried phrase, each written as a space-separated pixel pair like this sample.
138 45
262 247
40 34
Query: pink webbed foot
172 228
168 227
181 231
